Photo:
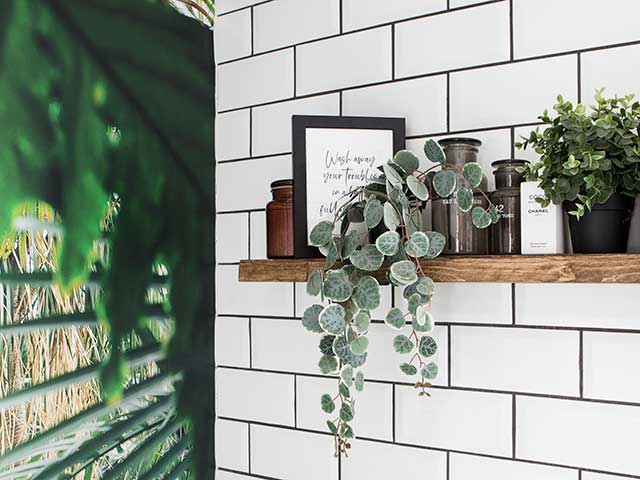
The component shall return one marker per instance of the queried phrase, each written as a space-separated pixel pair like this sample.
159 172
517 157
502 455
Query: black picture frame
300 124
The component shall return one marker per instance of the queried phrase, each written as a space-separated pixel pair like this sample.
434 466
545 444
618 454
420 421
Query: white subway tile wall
535 381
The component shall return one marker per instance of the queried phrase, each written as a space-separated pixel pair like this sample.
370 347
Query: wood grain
599 268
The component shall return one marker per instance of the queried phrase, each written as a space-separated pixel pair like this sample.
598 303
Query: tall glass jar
457 227
280 220
505 235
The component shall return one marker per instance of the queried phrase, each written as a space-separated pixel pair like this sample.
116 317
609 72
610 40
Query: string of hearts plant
389 209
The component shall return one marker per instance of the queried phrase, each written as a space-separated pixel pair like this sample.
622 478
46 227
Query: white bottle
542 229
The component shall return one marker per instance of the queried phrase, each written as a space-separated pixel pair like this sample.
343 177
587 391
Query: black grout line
249 235
432 448
341 17
448 102
513 142
340 99
581 364
250 344
513 426
257 157
253 50
579 62
433 74
393 51
295 72
339 462
248 210
250 135
295 401
579 474
449 355
294 299
448 453
393 412
244 8
249 445
455 388
513 304
240 472
511 52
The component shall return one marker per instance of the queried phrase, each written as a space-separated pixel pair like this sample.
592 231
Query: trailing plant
390 209
101 100
587 154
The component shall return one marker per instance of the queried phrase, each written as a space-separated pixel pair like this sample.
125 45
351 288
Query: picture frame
332 155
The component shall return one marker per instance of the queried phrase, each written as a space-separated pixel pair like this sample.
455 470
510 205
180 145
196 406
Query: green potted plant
590 163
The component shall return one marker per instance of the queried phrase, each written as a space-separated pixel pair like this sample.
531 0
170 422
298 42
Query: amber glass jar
280 220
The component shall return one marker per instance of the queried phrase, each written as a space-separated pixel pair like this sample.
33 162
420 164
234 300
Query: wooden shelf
600 268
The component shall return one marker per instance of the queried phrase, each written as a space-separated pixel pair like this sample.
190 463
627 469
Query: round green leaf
392 219
413 220
346 375
328 364
341 347
362 321
321 234
444 183
464 199
373 212
393 177
426 328
427 346
356 360
402 344
424 319
418 245
326 345
330 251
418 188
332 319
359 345
367 258
346 413
493 213
344 390
480 217
310 318
472 173
414 302
367 293
327 403
408 369
314 283
429 371
437 242
359 381
425 286
434 152
395 318
407 160
351 242
388 243
332 427
337 285
404 272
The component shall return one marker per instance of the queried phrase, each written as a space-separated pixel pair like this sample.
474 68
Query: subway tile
451 419
232 341
383 362
591 435
542 27
601 476
232 237
233 36
288 22
290 454
428 45
373 407
225 6
258 235
257 396
249 298
423 102
471 467
232 445
365 13
284 345
224 475
377 461
609 361
346 61
255 80
510 94
245 185
232 134
304 300
516 359
578 305
468 303
272 124
613 68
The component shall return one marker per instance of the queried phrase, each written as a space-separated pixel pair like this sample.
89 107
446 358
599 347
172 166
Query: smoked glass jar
457 227
280 220
505 235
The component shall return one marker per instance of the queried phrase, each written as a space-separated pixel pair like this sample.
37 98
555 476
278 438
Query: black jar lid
510 161
455 140
287 182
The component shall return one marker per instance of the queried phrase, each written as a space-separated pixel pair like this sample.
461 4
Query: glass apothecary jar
457 227
505 235
280 220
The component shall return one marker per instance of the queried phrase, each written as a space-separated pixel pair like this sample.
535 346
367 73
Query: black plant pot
603 230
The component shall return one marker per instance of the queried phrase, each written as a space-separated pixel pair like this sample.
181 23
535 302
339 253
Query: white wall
537 381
